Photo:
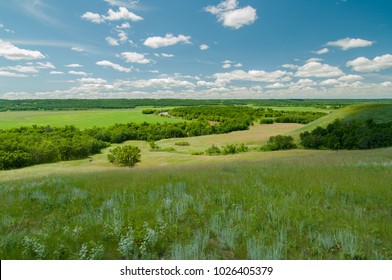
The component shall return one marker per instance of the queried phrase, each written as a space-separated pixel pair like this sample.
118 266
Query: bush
182 143
213 151
148 111
125 156
280 142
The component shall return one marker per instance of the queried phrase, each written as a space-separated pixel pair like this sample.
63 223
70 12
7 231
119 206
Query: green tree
125 156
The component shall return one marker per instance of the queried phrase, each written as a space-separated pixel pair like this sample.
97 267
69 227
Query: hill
379 112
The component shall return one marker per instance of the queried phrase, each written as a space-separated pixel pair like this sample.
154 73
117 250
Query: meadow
79 118
295 204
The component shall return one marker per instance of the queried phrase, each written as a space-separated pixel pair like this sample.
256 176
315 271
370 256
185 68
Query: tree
281 142
125 156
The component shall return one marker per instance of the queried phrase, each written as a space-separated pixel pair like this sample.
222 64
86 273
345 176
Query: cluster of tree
83 104
27 146
279 142
353 134
244 114
119 133
125 156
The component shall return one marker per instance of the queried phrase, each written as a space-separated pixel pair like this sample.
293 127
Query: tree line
349 135
245 114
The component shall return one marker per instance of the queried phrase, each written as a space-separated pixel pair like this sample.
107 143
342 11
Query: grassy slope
378 112
282 205
81 119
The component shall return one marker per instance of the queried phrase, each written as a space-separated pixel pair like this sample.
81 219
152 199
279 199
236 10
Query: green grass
282 205
80 119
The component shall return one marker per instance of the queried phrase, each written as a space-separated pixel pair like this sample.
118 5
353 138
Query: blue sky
195 49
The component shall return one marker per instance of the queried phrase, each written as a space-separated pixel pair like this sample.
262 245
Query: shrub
125 156
148 111
182 143
213 151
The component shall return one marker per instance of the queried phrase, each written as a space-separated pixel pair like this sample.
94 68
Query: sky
201 49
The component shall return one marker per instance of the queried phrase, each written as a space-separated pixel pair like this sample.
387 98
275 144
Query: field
295 204
81 119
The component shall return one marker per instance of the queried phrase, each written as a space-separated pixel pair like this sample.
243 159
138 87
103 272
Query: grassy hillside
378 112
308 205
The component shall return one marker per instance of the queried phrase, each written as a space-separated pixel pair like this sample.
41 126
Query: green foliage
231 149
280 142
267 121
153 146
349 135
125 156
148 111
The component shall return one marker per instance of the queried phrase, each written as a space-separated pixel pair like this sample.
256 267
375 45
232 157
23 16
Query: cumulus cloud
165 83
134 57
350 43
106 63
230 15
12 52
122 14
363 64
20 69
318 70
56 73
169 40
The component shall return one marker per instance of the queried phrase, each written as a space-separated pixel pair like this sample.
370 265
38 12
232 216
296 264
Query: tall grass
331 206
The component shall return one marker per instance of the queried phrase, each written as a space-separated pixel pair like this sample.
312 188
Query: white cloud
132 4
6 29
45 65
318 70
226 66
77 49
252 75
363 64
134 57
164 83
125 25
204 47
20 69
350 43
96 81
122 14
231 16
169 40
314 59
11 52
111 41
350 78
74 65
165 55
78 73
322 51
93 17
106 63
56 73
11 74
290 66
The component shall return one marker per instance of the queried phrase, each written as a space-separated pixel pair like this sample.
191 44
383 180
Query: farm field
292 204
80 119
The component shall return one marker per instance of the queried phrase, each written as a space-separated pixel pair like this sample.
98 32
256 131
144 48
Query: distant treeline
35 145
85 104
349 135
244 114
